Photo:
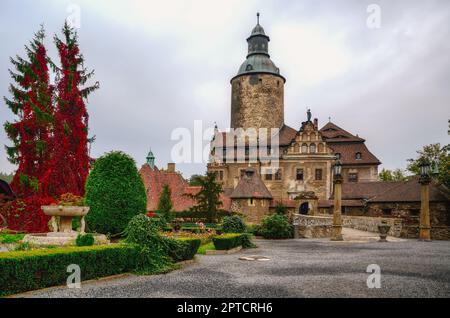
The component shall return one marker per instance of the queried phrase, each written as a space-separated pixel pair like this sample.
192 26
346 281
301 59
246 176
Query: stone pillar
425 227
336 234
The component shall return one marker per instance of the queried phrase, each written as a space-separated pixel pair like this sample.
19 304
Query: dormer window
249 68
358 156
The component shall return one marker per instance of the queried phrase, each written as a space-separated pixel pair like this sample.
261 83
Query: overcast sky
163 64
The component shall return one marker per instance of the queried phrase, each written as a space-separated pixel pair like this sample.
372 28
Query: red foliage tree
32 103
69 166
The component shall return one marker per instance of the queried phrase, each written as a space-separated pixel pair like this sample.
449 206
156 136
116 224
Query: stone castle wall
257 101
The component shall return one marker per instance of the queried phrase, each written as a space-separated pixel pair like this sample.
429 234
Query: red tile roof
333 133
348 145
348 153
155 180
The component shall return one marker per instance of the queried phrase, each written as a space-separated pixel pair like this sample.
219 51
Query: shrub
10 238
182 249
233 224
115 192
227 241
281 209
165 205
144 233
254 229
34 269
85 240
247 241
276 226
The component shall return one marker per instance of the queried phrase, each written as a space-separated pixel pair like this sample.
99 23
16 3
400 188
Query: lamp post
336 235
425 180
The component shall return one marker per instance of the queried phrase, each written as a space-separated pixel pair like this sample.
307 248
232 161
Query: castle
305 155
294 169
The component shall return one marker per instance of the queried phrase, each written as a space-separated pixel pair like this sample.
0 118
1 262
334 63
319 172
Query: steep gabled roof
348 153
347 145
333 133
250 186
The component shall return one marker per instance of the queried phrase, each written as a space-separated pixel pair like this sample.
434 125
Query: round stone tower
257 91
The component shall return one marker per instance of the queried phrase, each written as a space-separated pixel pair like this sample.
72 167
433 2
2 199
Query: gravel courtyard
297 268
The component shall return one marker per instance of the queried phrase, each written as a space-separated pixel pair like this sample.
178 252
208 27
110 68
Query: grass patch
205 247
10 238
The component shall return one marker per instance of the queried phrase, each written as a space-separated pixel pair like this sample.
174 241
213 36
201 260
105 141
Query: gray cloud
164 65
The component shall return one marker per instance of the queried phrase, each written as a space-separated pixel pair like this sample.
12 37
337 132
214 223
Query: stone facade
257 101
254 210
313 226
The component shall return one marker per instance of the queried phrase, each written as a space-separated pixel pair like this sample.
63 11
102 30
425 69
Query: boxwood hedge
227 241
183 249
35 269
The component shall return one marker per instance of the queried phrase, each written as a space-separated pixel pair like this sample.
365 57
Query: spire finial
257 17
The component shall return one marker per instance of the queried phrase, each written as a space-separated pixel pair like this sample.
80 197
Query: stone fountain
61 225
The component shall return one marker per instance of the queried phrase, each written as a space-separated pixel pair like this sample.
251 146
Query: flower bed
205 237
34 269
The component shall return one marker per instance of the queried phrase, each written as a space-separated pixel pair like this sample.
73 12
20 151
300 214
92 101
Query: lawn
205 247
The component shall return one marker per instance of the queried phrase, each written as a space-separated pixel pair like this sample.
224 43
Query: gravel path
297 268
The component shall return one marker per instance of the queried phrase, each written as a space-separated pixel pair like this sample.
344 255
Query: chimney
316 123
170 167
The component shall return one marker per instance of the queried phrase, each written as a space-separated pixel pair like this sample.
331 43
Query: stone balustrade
370 224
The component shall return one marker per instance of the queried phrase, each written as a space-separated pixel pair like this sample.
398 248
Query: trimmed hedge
35 269
227 241
183 249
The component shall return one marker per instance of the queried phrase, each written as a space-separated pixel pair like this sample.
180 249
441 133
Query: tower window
269 175
249 67
318 174
312 148
358 156
299 175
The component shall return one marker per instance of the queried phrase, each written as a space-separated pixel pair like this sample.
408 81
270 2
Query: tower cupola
258 58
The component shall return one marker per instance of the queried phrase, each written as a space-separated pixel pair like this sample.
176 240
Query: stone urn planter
383 228
65 215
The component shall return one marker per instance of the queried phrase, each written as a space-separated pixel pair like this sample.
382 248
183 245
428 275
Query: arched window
312 148
358 156
304 148
249 67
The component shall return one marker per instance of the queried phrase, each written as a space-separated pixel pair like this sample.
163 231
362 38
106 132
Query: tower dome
258 58
257 96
